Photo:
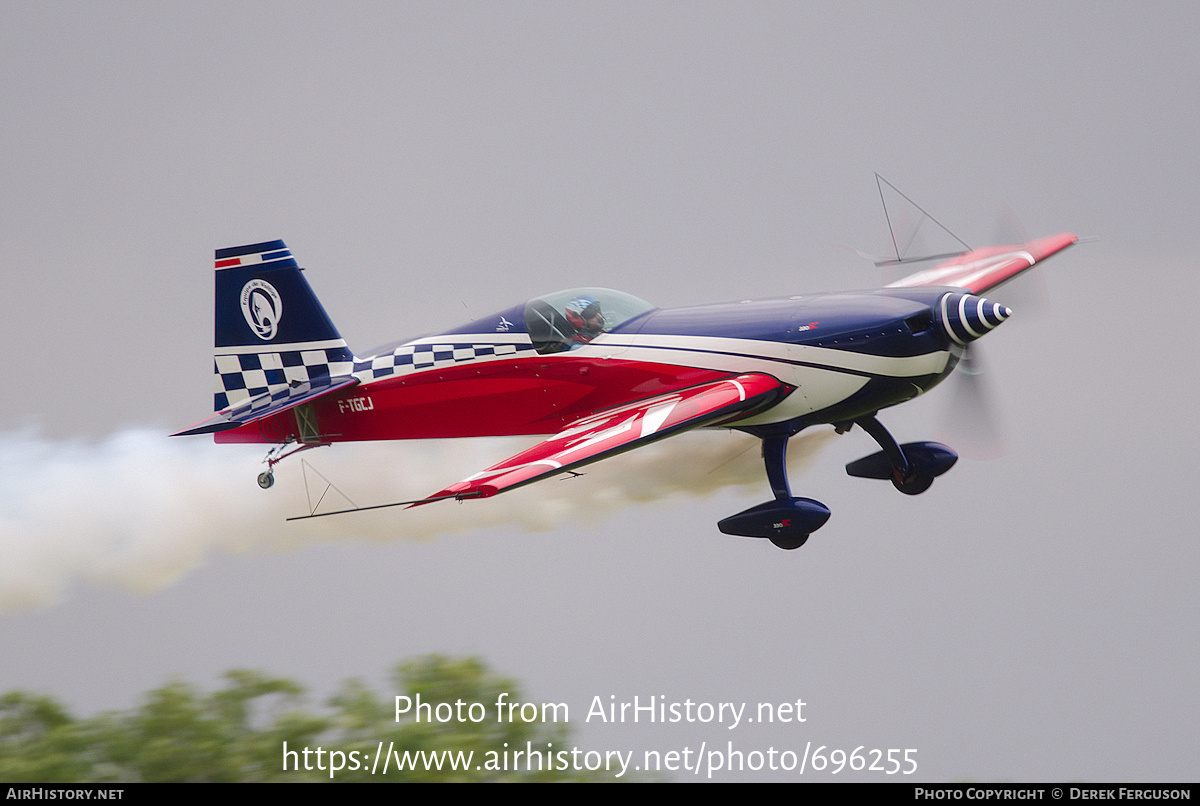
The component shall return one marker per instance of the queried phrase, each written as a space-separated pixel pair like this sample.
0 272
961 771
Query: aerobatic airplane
601 372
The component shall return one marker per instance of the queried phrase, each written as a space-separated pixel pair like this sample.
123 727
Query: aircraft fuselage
842 354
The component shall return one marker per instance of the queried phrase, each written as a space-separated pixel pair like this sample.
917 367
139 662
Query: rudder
270 329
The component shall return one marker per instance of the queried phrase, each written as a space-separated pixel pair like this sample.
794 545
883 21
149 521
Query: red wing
612 431
982 269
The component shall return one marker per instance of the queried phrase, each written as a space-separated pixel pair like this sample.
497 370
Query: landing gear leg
266 479
785 521
911 467
774 452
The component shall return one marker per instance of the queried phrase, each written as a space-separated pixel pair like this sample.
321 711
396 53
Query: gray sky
1029 618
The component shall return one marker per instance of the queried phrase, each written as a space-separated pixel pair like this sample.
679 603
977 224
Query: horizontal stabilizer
268 404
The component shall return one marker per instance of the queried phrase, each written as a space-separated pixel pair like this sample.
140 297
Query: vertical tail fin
271 330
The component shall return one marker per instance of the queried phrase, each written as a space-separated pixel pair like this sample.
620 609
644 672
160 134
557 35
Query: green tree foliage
239 732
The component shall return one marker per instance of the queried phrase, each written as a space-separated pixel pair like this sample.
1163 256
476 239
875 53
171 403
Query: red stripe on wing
623 428
982 269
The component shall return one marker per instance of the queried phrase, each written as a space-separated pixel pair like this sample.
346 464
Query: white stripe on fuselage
707 352
823 375
470 338
750 355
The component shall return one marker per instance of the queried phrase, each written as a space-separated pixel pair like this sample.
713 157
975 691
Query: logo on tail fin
263 307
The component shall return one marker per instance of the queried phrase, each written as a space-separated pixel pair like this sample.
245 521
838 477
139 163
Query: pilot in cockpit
585 316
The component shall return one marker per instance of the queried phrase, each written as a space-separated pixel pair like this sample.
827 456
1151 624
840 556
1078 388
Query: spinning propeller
970 423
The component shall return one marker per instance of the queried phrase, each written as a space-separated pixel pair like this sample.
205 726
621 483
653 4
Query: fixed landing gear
786 521
912 485
266 479
911 467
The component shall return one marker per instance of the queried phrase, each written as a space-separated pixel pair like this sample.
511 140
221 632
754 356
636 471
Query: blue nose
966 317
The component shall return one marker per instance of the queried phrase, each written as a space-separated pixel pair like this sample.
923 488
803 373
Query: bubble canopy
565 319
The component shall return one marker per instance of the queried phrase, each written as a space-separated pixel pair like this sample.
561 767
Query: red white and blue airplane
601 372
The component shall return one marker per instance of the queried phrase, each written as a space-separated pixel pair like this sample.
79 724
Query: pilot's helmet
584 314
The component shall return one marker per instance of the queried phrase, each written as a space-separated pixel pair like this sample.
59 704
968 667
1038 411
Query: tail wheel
266 479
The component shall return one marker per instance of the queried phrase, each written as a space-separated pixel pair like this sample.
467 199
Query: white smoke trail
140 510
